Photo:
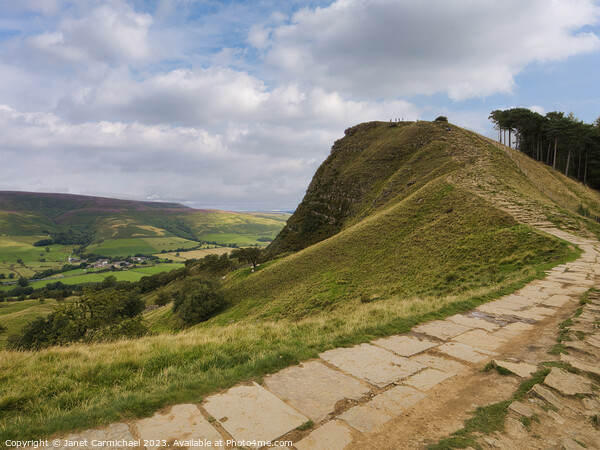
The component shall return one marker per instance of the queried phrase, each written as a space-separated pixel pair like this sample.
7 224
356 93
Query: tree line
558 140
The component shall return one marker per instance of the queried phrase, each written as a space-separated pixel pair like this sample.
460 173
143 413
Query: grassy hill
401 224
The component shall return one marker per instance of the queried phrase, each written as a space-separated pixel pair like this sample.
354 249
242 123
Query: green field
242 240
145 246
77 276
13 248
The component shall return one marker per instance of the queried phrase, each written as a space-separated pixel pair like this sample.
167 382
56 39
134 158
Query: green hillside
401 224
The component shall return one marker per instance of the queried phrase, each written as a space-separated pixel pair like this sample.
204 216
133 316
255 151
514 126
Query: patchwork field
15 248
242 240
195 254
145 246
79 277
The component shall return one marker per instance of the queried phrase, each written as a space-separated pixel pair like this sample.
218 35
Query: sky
234 104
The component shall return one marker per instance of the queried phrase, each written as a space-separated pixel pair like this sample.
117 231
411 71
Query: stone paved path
351 391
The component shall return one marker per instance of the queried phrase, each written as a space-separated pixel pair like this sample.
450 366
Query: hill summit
377 164
373 164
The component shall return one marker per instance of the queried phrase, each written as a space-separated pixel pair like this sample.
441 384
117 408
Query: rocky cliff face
370 165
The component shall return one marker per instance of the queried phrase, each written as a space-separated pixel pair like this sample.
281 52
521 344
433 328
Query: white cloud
388 48
205 97
538 109
233 169
109 33
114 96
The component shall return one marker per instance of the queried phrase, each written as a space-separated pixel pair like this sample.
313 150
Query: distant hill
114 227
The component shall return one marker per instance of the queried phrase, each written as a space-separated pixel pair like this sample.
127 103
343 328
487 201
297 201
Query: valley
41 232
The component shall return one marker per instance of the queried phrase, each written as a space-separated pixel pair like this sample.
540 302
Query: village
106 263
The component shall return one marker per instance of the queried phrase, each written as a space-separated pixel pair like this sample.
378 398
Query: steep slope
373 164
377 163
412 212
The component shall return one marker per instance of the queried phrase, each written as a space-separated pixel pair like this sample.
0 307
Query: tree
441 119
11 275
23 282
250 255
197 301
109 281
563 142
162 299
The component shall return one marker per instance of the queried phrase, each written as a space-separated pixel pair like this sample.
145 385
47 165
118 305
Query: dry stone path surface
347 394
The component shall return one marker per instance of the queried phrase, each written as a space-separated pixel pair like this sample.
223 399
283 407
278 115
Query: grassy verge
63 389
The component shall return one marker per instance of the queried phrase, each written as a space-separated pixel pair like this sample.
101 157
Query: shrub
43 243
441 119
162 299
197 301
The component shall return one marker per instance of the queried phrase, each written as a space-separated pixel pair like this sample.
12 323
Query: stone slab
427 379
556 417
515 430
530 314
532 292
594 341
521 369
490 308
580 365
333 435
549 284
472 322
442 329
570 444
568 383
465 352
541 392
313 388
557 301
581 346
521 409
443 364
181 423
483 339
394 401
405 345
589 316
549 291
513 330
114 433
514 302
371 364
241 411
542 311
364 418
